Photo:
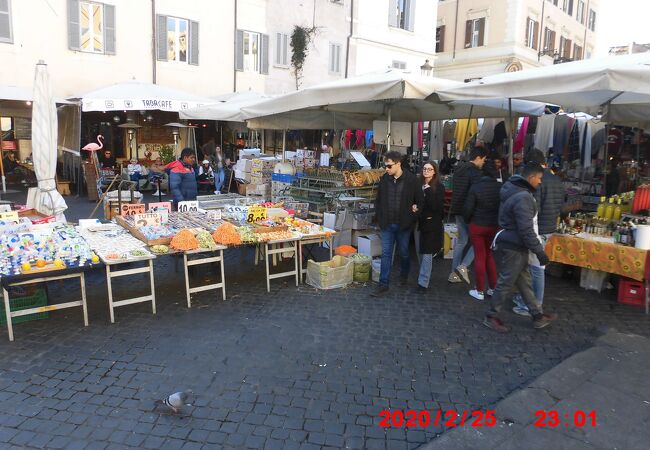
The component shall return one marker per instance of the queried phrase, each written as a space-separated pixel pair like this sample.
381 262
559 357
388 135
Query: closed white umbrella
44 143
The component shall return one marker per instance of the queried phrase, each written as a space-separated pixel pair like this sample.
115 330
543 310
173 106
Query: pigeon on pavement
175 401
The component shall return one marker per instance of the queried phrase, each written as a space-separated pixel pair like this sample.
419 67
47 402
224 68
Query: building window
177 40
440 39
577 52
5 21
532 33
475 33
91 27
567 7
335 58
401 65
282 49
252 52
591 24
549 41
580 12
565 47
401 14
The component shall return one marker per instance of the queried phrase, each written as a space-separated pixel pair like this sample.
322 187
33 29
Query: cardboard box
338 221
249 152
336 273
246 176
357 233
369 245
258 189
340 238
244 165
361 220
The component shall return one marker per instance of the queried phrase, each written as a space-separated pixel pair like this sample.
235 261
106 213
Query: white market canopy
618 86
227 107
357 101
138 96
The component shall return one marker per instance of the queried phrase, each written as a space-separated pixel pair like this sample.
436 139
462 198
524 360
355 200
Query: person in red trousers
481 212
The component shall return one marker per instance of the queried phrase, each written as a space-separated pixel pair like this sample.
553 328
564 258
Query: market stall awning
137 96
227 107
408 97
622 82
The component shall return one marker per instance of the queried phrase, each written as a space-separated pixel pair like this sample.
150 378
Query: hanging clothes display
586 145
436 142
448 131
465 130
544 132
574 143
521 136
486 134
420 132
560 133
369 138
348 138
597 139
360 138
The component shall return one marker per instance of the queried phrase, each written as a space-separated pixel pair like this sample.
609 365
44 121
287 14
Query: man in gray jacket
550 199
517 216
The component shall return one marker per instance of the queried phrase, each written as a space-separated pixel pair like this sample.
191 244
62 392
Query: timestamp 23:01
553 418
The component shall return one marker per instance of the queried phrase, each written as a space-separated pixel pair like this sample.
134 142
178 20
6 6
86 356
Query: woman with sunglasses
430 221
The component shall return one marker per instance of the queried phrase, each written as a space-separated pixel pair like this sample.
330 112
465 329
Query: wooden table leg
110 293
187 281
153 290
10 329
84 303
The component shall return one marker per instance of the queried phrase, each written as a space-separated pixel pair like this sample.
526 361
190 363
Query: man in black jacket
550 199
465 174
517 215
398 203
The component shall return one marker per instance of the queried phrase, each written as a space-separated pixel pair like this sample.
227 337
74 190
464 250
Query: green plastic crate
39 298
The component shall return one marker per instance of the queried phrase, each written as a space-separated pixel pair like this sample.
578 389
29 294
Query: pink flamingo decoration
92 147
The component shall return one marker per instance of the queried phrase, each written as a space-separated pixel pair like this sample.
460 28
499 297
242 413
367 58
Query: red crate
631 292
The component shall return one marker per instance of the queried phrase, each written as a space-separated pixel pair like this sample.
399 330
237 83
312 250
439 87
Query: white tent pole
511 140
284 143
263 133
388 130
607 130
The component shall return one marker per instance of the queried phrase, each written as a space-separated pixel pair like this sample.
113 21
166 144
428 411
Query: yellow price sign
255 213
10 215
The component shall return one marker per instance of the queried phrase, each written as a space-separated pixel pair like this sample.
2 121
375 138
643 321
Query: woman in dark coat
430 221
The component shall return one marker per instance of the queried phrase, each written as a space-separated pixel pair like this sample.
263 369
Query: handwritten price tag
130 209
9 215
162 208
255 213
191 206
147 219
158 205
214 214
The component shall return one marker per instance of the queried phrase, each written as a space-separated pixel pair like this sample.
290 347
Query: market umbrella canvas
355 102
44 145
618 86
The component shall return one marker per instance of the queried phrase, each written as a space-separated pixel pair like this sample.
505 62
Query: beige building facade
476 38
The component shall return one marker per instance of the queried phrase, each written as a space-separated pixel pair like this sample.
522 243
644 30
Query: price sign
158 205
236 209
255 213
129 209
147 219
10 215
214 214
192 206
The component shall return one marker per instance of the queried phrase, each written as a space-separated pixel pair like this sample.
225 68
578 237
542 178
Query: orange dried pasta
184 241
226 234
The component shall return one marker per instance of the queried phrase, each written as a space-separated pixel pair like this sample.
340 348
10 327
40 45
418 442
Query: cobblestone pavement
293 368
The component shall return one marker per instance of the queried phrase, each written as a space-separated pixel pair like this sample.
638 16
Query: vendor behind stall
108 160
182 178
15 172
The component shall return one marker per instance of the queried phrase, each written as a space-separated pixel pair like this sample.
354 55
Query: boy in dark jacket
398 203
465 175
550 199
517 217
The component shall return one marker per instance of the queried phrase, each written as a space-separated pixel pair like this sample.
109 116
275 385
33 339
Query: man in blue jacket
517 218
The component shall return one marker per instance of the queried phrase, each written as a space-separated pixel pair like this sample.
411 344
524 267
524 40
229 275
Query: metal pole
639 133
284 143
388 130
607 128
511 148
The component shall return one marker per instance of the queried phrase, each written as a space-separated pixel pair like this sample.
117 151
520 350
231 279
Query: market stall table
608 257
204 260
287 245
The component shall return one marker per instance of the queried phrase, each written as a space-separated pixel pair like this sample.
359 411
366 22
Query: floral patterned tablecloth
618 259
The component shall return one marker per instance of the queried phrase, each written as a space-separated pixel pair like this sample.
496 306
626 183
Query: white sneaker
522 311
217 193
463 272
490 292
478 295
156 194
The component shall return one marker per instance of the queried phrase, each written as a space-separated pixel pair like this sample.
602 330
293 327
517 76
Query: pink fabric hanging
521 136
420 128
348 138
360 138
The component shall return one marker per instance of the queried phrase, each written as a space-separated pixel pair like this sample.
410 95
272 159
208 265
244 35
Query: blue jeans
219 178
461 243
426 264
389 235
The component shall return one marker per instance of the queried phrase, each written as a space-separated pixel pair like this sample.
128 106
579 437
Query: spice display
184 241
205 240
227 234
160 249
